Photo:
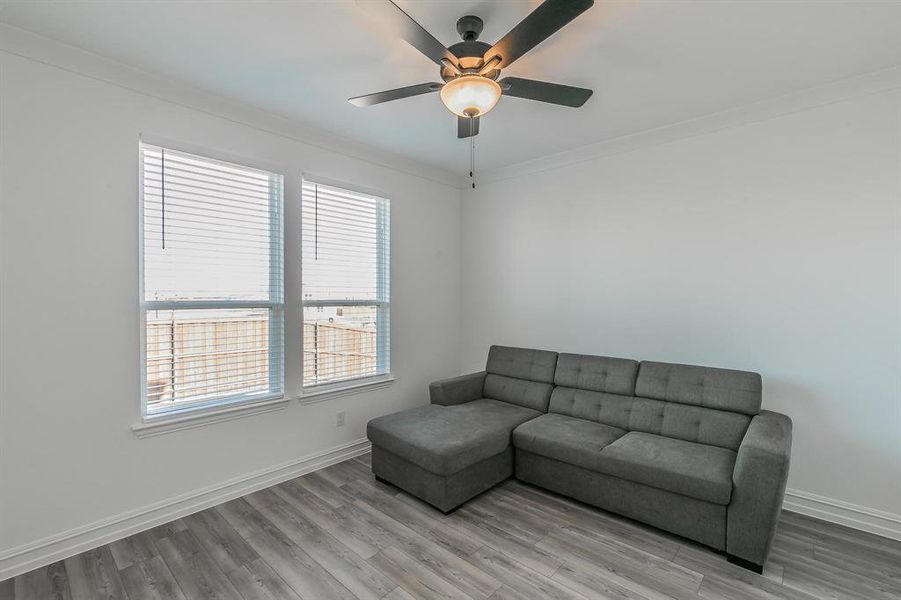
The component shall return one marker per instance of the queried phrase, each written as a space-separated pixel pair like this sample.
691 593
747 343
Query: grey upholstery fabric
694 470
530 394
670 419
522 363
440 452
575 441
457 390
683 448
724 389
695 519
446 439
761 472
596 373
610 409
445 492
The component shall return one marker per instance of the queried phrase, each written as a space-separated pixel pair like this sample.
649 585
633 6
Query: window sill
327 392
168 423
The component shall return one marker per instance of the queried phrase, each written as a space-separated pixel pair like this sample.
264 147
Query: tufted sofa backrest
697 404
596 373
722 389
520 376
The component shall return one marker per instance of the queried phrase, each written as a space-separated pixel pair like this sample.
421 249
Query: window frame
350 385
235 403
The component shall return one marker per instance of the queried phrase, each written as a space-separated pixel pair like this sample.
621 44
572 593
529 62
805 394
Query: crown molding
26 44
869 83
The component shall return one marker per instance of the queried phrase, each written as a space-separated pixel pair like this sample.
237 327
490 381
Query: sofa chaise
684 448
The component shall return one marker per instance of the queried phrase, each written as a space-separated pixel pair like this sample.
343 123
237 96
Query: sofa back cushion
520 376
721 389
680 421
596 373
522 363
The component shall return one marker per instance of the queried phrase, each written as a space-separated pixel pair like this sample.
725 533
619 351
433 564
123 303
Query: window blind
212 277
345 238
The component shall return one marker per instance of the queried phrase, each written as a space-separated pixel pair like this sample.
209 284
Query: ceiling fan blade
542 91
407 29
467 127
542 23
397 94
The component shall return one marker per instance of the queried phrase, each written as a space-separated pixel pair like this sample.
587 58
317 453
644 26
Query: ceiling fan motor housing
470 51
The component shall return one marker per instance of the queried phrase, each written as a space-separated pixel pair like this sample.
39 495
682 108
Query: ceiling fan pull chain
472 151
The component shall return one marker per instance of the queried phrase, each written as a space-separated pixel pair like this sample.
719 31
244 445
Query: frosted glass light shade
470 95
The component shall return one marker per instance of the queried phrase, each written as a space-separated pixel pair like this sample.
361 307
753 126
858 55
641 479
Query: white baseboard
843 513
22 559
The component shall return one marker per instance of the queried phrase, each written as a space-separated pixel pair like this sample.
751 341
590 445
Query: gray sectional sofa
683 448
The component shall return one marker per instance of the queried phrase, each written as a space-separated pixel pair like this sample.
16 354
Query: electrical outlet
339 419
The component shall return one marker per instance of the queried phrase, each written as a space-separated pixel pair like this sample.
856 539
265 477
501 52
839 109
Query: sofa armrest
758 486
457 390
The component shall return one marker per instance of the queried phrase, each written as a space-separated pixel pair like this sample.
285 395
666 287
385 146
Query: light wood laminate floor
337 533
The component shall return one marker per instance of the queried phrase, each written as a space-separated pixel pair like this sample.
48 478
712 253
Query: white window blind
345 273
212 279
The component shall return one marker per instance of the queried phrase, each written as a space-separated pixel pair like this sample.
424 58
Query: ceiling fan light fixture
470 95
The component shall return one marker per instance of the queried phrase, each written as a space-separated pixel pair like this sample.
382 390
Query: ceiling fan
470 69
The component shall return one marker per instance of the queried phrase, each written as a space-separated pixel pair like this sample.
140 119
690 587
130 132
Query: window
212 282
345 273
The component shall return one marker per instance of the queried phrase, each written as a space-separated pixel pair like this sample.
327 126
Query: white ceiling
650 62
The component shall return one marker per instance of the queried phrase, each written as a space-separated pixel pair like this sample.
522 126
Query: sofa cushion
596 373
567 439
723 389
522 392
610 409
522 363
446 439
694 470
670 419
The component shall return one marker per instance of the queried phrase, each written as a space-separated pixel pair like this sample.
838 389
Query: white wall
772 247
70 384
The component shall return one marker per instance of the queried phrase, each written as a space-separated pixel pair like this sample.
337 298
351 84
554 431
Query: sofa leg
745 564
380 480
